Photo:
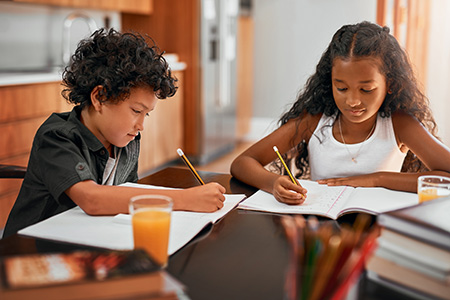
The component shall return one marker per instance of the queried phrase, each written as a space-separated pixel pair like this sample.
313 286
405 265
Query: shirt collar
92 141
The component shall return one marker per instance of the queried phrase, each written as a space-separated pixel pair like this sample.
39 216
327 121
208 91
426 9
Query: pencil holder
325 262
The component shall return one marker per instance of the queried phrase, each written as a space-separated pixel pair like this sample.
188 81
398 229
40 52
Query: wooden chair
12 171
9 172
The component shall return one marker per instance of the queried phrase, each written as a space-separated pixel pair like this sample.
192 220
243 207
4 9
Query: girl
361 120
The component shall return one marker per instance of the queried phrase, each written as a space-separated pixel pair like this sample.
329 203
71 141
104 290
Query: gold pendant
354 160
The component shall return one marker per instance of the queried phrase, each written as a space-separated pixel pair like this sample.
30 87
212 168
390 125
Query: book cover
428 221
414 294
409 278
84 275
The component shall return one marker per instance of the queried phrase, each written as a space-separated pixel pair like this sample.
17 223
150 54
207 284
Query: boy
79 157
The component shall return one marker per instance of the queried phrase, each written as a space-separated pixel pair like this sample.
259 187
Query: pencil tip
180 152
275 148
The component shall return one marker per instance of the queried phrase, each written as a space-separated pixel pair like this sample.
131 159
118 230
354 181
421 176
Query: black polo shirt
64 152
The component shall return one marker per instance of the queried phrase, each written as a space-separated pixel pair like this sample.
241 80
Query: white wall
290 37
438 80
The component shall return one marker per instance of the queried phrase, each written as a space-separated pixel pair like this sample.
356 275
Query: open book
115 232
333 201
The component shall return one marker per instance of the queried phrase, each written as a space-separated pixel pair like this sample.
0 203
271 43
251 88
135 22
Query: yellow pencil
284 164
186 161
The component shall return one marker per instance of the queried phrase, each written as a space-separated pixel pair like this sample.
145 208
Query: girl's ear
389 90
96 97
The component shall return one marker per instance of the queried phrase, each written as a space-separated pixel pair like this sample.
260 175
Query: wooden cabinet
23 108
131 6
244 107
163 132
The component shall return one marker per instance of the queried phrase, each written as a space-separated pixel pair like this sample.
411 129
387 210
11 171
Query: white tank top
329 158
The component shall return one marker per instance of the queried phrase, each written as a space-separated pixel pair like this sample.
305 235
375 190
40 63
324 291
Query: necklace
359 150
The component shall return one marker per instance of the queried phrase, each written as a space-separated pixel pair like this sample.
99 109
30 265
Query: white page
321 200
115 232
333 201
379 200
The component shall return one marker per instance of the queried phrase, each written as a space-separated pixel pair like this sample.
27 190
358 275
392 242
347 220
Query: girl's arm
410 135
432 152
97 199
249 166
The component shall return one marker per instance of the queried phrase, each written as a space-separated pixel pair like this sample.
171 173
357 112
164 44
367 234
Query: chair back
12 171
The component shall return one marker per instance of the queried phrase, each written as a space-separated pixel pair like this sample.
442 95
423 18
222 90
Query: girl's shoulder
406 126
307 124
402 120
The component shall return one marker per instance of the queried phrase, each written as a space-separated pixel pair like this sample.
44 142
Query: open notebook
333 201
115 232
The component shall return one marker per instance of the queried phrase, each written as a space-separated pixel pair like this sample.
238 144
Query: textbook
411 279
84 274
414 254
115 232
428 222
333 201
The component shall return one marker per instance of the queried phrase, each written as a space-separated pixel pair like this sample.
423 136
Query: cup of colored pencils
326 261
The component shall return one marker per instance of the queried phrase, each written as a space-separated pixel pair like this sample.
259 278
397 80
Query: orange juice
429 194
151 232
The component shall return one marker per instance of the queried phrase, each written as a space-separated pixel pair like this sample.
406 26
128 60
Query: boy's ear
96 96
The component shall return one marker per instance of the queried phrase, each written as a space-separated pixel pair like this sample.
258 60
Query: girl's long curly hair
362 40
118 62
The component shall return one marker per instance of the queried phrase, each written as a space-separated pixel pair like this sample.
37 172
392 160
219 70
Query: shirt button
102 152
80 167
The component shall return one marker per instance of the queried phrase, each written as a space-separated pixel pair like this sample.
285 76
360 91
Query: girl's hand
285 191
369 180
204 198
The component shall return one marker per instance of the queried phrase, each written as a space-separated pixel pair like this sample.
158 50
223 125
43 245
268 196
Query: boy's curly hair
118 62
364 39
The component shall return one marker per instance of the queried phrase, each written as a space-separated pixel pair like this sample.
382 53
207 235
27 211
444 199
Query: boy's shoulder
57 121
64 125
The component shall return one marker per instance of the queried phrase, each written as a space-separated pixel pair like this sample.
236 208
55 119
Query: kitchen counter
17 78
12 78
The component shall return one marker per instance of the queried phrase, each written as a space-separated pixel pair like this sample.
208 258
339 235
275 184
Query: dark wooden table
243 256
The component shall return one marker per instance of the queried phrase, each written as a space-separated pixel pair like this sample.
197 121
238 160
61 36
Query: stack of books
86 274
326 261
413 253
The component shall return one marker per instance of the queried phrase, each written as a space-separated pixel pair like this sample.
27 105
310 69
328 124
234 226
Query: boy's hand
285 191
204 198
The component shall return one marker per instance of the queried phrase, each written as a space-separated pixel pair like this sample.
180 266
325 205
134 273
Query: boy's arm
97 199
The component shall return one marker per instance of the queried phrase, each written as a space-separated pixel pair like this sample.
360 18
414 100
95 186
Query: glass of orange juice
430 187
150 218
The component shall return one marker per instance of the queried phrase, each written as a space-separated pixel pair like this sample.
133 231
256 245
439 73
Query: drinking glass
150 218
430 187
